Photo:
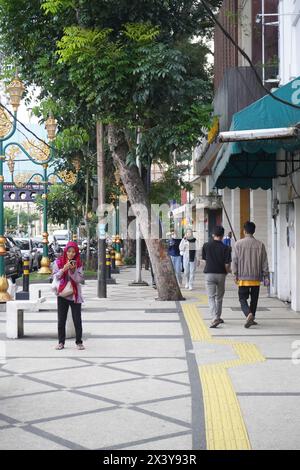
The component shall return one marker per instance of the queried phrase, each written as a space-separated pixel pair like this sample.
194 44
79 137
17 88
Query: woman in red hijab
67 275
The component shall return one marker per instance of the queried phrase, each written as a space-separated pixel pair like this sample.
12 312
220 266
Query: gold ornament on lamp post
76 163
7 129
117 239
11 166
15 90
51 127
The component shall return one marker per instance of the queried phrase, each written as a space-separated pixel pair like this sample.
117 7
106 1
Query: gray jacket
249 259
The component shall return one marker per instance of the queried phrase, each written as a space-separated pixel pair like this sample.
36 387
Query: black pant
244 292
62 313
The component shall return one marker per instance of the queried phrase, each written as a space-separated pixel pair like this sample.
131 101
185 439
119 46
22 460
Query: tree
126 64
12 218
63 204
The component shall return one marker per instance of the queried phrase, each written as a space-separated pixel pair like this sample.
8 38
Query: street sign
101 231
26 194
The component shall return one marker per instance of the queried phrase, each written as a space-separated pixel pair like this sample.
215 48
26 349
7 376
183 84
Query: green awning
243 170
252 164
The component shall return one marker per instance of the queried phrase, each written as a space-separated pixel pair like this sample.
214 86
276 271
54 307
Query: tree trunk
167 285
129 248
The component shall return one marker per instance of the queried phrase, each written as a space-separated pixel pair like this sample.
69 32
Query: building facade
285 202
236 87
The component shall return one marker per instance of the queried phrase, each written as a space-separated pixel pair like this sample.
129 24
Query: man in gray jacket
250 267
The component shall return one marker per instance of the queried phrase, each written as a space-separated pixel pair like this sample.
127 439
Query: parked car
29 248
38 241
62 237
13 259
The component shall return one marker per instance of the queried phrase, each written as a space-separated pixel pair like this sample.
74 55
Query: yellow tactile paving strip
196 325
225 427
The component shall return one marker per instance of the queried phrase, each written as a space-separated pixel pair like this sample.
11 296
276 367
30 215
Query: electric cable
25 127
35 146
225 32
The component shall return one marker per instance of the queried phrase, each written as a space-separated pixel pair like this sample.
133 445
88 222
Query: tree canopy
139 66
132 63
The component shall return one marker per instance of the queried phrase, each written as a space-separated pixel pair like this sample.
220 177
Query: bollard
109 279
24 294
108 264
114 269
118 256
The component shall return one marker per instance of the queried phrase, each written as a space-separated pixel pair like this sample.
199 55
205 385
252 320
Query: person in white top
187 249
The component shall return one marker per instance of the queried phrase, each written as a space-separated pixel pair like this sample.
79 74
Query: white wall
236 211
259 214
226 195
295 256
283 252
245 30
289 37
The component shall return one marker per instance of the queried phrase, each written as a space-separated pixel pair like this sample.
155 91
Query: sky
24 116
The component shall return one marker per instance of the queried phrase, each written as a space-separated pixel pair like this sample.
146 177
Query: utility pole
138 273
87 226
101 272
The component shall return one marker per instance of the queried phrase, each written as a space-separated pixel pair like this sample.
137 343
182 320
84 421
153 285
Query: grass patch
35 276
90 273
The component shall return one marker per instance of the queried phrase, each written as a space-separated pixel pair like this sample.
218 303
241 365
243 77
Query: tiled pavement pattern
137 385
130 389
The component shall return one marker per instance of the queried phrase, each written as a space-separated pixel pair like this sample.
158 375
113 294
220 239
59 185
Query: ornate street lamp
116 238
51 127
7 129
40 154
15 90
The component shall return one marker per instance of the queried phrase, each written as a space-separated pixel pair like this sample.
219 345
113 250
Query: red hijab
62 261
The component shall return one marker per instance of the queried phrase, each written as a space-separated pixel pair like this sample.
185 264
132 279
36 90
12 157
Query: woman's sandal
60 346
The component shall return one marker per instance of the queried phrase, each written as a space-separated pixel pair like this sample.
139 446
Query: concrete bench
16 309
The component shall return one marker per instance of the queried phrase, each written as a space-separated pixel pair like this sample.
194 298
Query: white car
28 247
62 237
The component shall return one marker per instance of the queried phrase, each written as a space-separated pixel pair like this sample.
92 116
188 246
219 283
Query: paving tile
154 366
20 386
83 376
45 406
140 329
2 424
111 428
206 353
183 442
122 312
269 346
19 439
26 365
182 377
272 422
178 408
139 390
128 347
270 376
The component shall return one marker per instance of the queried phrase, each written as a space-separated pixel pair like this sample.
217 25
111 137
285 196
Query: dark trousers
62 313
244 292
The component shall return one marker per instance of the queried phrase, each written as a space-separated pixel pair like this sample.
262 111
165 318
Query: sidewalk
153 375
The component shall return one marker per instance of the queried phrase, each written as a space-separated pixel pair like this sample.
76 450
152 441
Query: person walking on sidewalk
218 258
227 240
187 249
174 252
67 275
250 267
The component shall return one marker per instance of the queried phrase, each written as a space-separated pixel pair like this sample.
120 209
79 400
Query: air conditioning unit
210 201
